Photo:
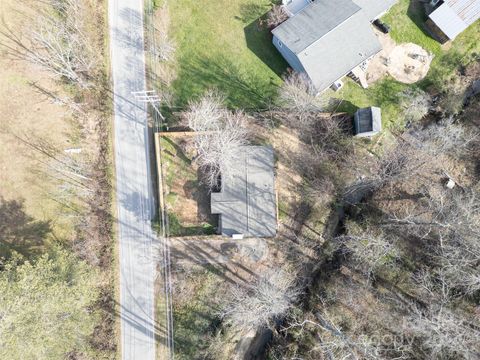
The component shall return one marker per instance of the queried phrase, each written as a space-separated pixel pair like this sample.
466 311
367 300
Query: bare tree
398 163
276 16
401 162
221 134
431 286
298 98
443 334
263 303
55 41
458 229
417 153
333 342
206 113
369 251
450 221
416 104
447 138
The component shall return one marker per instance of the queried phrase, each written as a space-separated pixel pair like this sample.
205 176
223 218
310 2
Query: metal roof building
452 17
367 121
246 203
327 39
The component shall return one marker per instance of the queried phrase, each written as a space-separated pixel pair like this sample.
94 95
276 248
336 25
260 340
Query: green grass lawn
221 45
384 94
406 20
407 23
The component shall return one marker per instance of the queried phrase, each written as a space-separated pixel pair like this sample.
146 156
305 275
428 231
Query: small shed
367 121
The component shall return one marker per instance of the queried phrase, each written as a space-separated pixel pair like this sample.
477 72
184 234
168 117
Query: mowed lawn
221 45
407 20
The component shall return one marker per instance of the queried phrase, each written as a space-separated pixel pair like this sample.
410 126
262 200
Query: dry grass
26 111
187 200
79 219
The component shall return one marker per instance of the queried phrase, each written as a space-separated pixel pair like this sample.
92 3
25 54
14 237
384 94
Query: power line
151 97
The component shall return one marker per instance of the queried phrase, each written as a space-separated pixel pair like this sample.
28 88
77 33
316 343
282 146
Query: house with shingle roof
329 39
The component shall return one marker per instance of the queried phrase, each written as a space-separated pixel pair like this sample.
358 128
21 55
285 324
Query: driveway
133 181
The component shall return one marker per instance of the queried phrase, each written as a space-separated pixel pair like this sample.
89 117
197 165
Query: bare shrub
320 189
416 104
276 16
220 136
263 303
453 98
329 137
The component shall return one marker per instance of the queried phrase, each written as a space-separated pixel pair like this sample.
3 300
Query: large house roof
454 16
313 22
374 8
338 52
332 37
246 203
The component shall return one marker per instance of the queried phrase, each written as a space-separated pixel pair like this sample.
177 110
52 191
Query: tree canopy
45 307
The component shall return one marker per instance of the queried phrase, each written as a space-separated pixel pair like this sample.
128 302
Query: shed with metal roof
450 18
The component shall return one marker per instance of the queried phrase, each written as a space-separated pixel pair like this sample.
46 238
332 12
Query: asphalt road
133 181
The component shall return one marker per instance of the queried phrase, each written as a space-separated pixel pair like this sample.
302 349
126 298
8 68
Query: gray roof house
246 204
449 18
367 121
327 39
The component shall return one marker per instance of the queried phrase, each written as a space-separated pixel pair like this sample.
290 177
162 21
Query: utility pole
151 97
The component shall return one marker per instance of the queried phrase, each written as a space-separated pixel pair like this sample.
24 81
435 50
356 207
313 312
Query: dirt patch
217 250
407 63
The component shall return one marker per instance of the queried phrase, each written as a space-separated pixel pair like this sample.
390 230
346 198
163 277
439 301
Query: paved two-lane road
133 181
